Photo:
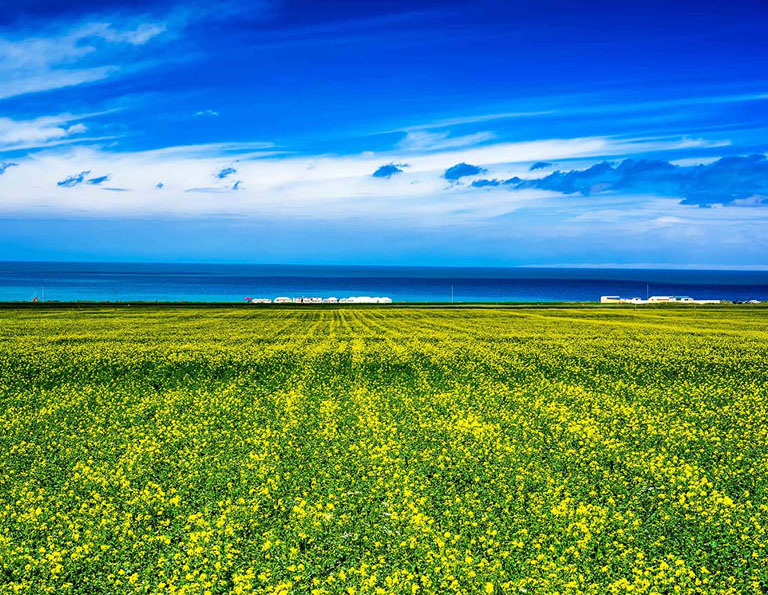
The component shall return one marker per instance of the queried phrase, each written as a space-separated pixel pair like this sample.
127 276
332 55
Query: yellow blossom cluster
369 451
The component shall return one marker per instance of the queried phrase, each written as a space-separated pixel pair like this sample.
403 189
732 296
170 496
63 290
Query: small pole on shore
451 293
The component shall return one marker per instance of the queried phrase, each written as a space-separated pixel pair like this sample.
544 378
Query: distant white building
301 300
261 301
615 299
655 299
359 299
678 299
365 299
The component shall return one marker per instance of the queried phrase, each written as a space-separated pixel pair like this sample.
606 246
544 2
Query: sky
466 133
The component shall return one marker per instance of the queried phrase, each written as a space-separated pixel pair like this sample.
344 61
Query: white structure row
363 299
656 299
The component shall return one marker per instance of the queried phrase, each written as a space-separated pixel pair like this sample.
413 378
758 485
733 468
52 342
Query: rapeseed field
384 450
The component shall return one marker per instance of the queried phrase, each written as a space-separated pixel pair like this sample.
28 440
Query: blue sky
436 133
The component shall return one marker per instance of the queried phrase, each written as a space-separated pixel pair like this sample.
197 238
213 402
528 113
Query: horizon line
584 266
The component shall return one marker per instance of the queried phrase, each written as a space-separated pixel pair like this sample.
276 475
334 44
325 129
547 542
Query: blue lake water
21 281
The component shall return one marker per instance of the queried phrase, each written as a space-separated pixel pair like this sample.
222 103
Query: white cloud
76 129
45 80
690 161
474 119
421 140
94 49
313 191
66 57
138 35
15 133
207 113
45 131
275 183
563 106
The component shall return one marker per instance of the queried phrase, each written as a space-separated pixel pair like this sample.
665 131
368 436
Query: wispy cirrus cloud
559 106
48 131
474 119
136 35
14 133
59 53
422 140
67 56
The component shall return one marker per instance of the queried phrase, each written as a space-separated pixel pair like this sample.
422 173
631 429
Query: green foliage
383 450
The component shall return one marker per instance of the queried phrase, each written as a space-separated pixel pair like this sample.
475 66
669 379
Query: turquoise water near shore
21 281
